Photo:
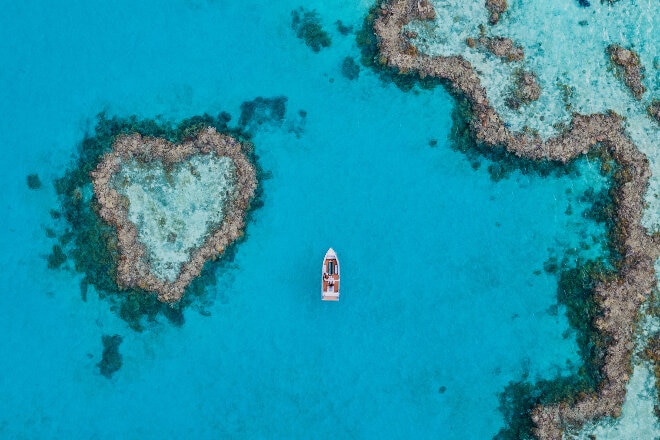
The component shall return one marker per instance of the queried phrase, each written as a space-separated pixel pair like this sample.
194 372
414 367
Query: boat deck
330 281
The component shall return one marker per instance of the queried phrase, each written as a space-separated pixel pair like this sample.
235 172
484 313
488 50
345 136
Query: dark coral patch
602 205
496 9
91 244
525 89
56 258
629 67
501 163
342 28
261 111
33 181
370 58
111 360
575 293
307 26
350 69
654 110
504 48
296 126
652 353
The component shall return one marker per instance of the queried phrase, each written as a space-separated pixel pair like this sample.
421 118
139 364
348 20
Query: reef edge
618 298
132 267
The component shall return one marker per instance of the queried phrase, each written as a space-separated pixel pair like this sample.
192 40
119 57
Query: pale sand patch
175 211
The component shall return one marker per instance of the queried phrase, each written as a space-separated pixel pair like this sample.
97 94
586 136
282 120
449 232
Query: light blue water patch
440 281
174 218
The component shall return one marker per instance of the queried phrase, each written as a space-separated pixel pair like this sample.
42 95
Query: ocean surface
444 296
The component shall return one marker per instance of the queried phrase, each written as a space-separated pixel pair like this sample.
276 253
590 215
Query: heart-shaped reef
173 206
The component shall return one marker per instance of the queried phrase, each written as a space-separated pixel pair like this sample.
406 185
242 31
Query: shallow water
441 288
184 207
565 46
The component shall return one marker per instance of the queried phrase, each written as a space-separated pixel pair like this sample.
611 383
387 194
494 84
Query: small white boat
330 277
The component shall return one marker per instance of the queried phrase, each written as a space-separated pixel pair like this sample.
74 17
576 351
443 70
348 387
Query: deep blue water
438 261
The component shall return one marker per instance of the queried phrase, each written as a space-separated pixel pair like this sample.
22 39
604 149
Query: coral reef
135 268
576 293
652 353
297 126
370 57
501 161
343 28
602 208
501 47
111 360
654 110
616 299
630 67
307 26
260 111
57 257
350 69
526 89
496 8
33 181
91 244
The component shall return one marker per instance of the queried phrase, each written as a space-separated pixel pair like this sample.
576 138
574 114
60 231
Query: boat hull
330 281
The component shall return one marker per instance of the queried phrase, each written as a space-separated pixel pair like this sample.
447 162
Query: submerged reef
501 162
606 305
92 245
350 69
57 257
342 28
169 219
501 47
266 113
630 67
525 89
33 181
307 26
260 111
496 8
575 291
111 359
652 353
654 110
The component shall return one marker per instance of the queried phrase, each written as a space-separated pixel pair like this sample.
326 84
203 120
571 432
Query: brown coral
503 48
654 110
526 89
133 268
619 300
496 8
630 67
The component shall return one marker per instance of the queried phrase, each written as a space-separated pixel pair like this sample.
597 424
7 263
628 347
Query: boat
330 277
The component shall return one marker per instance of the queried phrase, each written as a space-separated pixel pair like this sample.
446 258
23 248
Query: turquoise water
441 267
566 46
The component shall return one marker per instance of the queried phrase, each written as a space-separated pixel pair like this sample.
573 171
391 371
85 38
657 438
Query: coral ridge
618 299
632 69
133 267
